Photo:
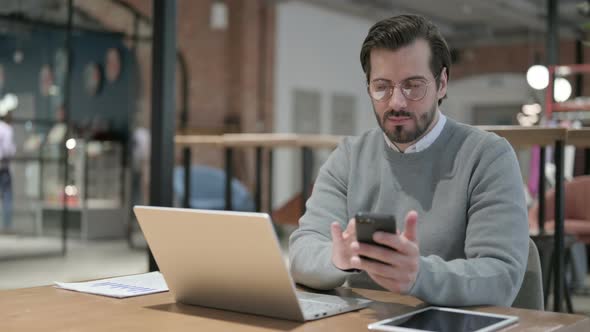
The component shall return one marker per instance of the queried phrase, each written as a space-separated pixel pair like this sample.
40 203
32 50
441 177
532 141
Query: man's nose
397 100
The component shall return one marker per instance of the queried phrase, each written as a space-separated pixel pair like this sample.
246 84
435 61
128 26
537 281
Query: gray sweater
472 218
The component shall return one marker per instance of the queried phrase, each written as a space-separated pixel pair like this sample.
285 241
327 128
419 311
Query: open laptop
230 260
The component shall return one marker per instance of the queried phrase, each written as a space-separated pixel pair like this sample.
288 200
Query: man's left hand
396 269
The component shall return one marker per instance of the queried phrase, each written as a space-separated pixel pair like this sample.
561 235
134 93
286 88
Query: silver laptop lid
221 259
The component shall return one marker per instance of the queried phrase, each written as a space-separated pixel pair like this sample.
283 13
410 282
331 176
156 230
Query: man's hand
342 243
397 269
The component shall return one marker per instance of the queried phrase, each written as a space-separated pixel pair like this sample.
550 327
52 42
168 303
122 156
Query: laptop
233 261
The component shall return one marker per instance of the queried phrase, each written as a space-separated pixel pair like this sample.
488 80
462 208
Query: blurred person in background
7 151
140 163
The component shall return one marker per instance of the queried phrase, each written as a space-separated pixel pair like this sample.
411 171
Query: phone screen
369 223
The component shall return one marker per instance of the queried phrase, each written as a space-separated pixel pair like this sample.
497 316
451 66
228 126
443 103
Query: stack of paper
120 287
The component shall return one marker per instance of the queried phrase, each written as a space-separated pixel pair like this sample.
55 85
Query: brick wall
230 70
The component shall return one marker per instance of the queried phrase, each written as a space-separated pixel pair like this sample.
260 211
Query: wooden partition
579 137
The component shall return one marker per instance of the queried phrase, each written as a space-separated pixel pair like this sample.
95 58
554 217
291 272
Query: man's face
403 120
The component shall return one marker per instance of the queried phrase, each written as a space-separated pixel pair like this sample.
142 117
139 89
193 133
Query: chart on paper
120 287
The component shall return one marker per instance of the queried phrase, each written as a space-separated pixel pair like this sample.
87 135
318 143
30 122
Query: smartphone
368 223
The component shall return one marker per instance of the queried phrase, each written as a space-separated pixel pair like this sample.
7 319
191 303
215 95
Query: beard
403 135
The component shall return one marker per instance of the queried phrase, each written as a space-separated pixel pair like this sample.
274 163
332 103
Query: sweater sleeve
496 240
310 246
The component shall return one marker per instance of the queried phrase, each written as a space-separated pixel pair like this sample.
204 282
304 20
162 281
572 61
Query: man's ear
442 86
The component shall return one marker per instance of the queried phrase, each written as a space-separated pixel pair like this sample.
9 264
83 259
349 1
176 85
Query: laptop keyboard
319 304
314 306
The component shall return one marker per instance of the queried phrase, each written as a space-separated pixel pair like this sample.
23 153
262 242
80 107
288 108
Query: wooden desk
51 309
199 140
269 141
528 136
319 141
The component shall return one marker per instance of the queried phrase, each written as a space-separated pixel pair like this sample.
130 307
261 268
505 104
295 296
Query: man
456 191
7 151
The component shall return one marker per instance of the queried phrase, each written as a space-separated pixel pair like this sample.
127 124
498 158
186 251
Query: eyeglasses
413 89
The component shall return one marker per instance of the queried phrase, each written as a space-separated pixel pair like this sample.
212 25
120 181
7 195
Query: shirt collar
423 143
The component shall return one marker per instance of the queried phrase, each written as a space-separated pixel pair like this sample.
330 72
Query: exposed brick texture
230 70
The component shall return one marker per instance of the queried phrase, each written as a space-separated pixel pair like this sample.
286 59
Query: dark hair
399 31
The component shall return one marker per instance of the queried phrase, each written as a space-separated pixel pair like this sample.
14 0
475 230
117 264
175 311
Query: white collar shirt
423 143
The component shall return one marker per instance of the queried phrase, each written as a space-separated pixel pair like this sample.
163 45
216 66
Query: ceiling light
538 77
71 144
562 90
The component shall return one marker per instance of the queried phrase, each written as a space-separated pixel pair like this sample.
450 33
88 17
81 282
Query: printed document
120 287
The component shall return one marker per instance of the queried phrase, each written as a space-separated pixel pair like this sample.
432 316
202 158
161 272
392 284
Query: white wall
491 89
316 50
